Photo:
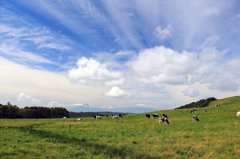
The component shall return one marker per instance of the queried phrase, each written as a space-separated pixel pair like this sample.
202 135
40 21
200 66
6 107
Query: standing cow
163 120
195 118
165 115
155 115
147 115
238 114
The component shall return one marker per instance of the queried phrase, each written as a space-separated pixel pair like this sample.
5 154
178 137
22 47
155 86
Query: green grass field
216 135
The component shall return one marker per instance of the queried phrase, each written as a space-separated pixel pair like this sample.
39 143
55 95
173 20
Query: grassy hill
216 135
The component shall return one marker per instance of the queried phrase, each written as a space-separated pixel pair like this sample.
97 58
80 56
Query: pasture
216 135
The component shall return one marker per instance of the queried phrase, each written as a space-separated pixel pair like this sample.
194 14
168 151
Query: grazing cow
195 118
193 111
98 117
155 115
115 117
164 115
120 115
163 120
238 114
217 106
147 115
204 110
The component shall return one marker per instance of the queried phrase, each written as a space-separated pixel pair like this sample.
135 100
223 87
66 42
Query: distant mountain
122 110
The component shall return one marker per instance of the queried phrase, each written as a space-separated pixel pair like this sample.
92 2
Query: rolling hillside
216 135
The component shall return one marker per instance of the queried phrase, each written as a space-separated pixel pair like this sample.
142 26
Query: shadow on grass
100 149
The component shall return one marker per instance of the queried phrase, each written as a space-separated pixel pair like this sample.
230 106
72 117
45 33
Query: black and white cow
195 118
205 110
217 106
115 117
155 115
238 114
79 119
147 115
165 115
163 120
98 117
193 111
120 115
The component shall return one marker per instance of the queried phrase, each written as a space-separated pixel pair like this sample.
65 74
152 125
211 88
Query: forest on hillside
13 112
198 104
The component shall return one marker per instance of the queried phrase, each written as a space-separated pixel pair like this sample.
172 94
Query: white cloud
163 34
161 60
115 82
166 79
232 64
22 56
89 70
211 54
27 99
116 92
224 84
55 46
164 65
160 65
142 105
53 104
215 80
191 92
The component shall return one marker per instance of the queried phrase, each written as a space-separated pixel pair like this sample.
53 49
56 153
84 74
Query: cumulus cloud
191 92
215 80
115 82
160 65
53 104
116 92
233 64
27 98
166 79
161 60
163 34
224 84
90 70
211 54
164 65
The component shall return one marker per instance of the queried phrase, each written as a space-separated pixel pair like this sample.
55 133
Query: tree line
13 112
198 104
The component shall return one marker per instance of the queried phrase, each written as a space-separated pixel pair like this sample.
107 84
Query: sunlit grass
133 136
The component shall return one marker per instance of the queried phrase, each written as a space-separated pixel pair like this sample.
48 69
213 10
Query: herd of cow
113 116
164 117
195 118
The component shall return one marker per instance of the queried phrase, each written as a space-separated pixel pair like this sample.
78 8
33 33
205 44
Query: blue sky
117 54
